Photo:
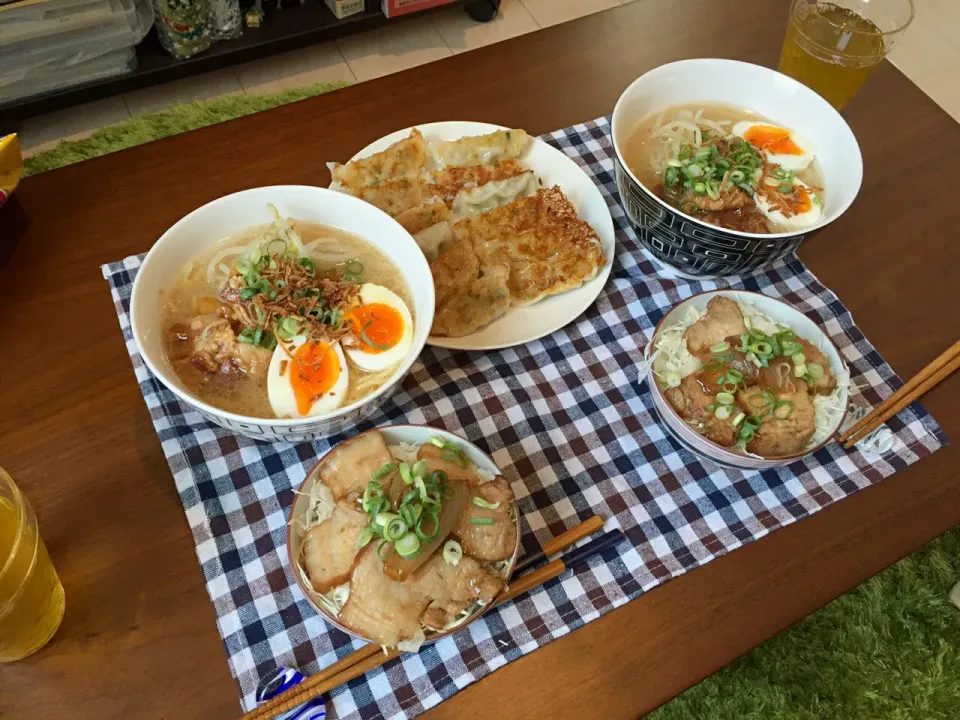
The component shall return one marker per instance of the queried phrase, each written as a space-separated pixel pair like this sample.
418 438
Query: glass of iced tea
832 47
31 596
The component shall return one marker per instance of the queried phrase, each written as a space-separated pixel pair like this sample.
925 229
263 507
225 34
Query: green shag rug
888 650
174 120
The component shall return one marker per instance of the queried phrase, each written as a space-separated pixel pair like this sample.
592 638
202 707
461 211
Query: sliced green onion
799 371
248 293
288 328
381 472
309 264
763 348
674 163
725 398
713 189
783 404
720 347
438 477
734 376
421 487
439 442
672 379
700 189
365 536
384 518
368 341
420 468
269 341
276 247
685 152
722 412
711 407
798 358
729 387
790 348
671 177
428 517
395 529
480 502
246 336
452 552
481 521
390 548
408 546
815 370
739 419
406 474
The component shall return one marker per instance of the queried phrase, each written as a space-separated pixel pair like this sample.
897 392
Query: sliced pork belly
453 589
432 455
489 542
330 548
350 466
383 610
722 319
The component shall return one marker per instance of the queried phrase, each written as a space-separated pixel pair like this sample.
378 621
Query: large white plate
524 324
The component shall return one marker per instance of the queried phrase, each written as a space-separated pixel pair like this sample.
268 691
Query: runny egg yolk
315 370
772 139
803 202
378 326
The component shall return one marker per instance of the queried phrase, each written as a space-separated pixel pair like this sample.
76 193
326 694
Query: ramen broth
648 155
199 286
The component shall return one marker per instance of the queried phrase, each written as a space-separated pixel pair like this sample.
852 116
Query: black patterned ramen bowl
693 247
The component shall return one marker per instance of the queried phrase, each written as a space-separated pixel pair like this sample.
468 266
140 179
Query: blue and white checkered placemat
570 424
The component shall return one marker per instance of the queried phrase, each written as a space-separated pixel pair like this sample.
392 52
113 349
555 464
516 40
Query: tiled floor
929 54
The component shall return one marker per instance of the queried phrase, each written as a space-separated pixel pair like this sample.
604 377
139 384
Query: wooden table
139 638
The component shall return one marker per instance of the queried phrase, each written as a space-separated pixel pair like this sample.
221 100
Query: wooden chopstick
298 695
561 542
945 364
372 656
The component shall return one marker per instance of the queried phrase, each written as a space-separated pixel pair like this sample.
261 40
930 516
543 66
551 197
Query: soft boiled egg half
805 208
780 146
306 378
382 329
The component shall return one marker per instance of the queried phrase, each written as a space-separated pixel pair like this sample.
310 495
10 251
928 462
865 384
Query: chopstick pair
371 656
934 373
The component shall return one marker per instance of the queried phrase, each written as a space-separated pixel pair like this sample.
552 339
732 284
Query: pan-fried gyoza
494 236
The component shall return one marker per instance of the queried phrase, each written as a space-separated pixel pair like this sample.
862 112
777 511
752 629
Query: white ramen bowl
699 249
235 213
778 311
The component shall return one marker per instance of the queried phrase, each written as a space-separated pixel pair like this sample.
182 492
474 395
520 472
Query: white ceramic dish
698 249
234 213
522 325
394 435
780 312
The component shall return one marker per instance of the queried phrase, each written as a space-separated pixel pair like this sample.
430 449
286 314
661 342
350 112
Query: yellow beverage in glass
832 47
31 596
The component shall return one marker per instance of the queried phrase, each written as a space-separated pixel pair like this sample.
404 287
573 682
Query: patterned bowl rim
432 637
733 455
798 87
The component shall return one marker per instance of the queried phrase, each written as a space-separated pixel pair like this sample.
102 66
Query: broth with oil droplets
203 279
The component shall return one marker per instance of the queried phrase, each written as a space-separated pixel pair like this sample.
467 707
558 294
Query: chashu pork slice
453 589
383 610
349 467
722 320
489 542
330 548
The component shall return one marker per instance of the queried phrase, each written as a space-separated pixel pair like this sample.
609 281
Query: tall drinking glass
31 596
832 47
